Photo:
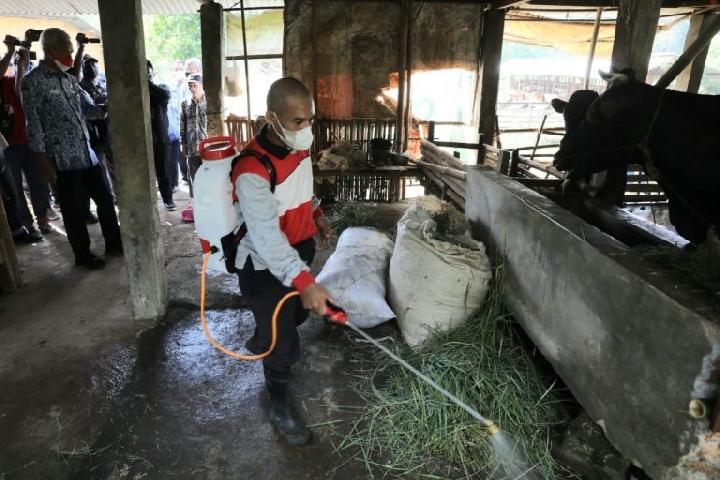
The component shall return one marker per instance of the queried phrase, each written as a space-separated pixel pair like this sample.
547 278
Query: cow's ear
615 78
558 105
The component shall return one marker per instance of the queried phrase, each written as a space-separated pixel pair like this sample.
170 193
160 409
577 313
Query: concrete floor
86 395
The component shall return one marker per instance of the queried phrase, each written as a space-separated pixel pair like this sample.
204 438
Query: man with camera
56 108
18 157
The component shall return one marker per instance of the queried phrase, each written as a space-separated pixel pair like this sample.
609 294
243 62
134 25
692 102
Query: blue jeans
20 160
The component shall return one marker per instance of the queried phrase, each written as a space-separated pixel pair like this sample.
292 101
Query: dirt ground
87 394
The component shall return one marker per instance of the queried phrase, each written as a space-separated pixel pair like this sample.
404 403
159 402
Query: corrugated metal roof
31 8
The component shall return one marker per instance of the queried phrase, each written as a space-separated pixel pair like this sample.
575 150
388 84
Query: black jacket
159 99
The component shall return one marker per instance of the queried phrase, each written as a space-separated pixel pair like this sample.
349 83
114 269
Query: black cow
608 186
674 135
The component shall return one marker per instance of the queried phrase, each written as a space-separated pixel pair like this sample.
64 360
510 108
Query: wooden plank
634 35
700 44
593 47
10 280
690 78
503 162
490 56
645 198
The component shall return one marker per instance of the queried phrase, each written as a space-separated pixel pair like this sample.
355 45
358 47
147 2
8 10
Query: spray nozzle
335 313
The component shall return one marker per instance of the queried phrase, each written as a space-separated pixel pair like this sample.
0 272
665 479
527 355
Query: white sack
355 274
434 284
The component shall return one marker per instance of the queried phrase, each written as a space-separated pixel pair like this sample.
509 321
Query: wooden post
690 78
400 130
634 35
490 56
10 279
503 162
408 76
696 48
514 162
124 50
593 46
212 37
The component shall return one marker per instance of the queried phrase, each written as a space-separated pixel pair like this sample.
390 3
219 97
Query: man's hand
47 170
315 298
10 44
23 59
324 231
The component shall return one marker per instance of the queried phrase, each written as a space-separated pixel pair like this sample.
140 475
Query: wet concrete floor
87 394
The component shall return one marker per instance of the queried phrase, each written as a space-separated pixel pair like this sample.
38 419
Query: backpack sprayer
217 226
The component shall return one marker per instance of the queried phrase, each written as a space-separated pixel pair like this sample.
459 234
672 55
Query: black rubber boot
282 413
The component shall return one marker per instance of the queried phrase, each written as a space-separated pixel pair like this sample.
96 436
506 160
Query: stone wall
353 48
633 348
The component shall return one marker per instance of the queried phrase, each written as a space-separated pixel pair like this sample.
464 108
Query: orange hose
214 342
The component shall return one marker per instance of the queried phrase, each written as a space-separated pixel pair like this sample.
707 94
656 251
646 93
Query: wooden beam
593 47
490 57
400 128
700 44
500 4
634 35
10 278
690 78
614 3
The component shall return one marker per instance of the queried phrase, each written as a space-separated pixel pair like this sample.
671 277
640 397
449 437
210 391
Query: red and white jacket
275 221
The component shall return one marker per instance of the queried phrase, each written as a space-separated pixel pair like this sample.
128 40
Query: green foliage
171 37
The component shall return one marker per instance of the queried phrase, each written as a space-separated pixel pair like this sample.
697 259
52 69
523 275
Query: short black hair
281 90
149 64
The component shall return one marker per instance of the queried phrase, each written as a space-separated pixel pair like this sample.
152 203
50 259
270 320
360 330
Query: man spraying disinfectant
273 194
270 247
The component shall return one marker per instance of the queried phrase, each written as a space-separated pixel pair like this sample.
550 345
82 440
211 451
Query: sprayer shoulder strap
263 159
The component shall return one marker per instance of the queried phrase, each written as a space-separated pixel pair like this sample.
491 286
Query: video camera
31 36
84 39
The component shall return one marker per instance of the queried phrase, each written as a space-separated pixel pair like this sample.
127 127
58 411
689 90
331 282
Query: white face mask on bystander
294 139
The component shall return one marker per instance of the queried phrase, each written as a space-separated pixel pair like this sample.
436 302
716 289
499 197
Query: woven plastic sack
356 275
434 284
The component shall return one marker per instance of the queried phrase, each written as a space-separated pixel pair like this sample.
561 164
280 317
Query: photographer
18 157
93 82
56 108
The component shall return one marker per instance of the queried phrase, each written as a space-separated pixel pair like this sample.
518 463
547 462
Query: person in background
93 82
20 233
159 99
193 66
18 157
176 162
193 129
56 108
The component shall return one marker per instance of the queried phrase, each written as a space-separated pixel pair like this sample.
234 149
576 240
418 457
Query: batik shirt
193 124
56 109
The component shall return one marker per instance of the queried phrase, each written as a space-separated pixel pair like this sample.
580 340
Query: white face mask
294 139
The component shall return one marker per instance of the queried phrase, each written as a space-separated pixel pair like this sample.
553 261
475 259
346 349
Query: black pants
161 155
176 161
74 188
263 291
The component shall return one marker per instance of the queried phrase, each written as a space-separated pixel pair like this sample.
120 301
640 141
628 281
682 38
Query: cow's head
607 135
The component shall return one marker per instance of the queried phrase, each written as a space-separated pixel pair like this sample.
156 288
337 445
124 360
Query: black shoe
283 416
28 235
170 206
90 262
114 250
91 218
